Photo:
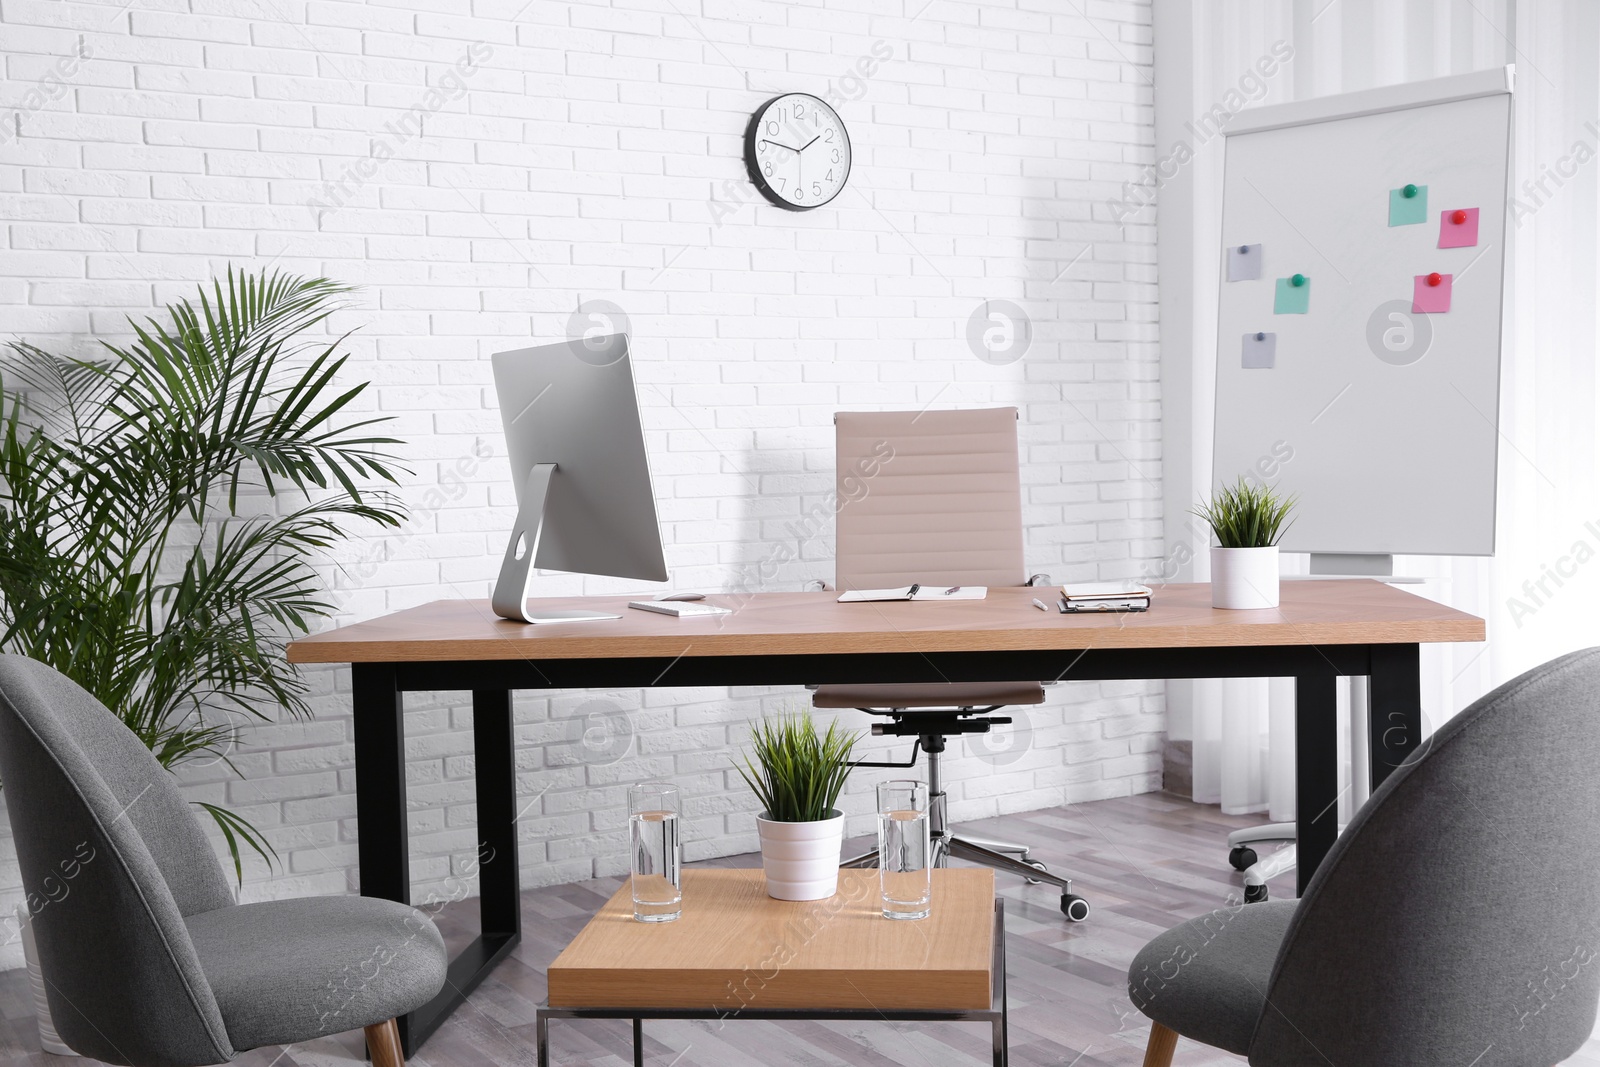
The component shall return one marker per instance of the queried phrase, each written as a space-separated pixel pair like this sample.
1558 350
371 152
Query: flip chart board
1384 388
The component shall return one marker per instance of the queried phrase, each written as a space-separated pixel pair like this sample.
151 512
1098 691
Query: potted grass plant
797 772
1247 520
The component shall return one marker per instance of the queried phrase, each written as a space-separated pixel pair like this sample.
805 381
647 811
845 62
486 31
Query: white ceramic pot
801 858
1244 577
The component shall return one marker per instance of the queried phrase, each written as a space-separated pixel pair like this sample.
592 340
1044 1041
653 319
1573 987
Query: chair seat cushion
1207 979
285 971
928 695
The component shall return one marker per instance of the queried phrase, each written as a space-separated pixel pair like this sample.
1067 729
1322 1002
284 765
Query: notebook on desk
1105 591
1104 596
916 592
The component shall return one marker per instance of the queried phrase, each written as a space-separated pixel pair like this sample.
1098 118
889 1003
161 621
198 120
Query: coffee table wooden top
735 947
1181 616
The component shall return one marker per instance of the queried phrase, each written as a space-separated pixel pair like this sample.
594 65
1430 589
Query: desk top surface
1347 612
734 946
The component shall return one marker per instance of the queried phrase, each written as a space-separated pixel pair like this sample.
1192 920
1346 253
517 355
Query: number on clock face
797 151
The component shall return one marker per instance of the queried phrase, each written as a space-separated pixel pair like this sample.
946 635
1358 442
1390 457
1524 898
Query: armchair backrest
1457 919
928 496
112 860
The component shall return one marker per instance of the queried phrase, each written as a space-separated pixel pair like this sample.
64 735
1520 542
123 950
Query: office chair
147 961
935 497
1455 922
1258 871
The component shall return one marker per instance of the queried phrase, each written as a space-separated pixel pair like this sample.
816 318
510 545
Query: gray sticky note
1244 263
1260 351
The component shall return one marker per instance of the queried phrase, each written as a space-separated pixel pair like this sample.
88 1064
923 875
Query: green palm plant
163 509
798 773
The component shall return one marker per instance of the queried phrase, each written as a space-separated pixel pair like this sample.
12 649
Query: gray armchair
146 958
1456 921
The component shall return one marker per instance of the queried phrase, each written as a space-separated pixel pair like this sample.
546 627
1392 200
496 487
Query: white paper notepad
916 592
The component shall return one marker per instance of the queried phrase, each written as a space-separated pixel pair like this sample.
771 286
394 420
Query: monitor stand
516 569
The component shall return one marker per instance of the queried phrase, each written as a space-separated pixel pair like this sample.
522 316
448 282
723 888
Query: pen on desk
952 589
1040 604
914 588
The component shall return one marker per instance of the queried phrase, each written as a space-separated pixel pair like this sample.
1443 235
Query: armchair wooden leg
383 1045
1156 1054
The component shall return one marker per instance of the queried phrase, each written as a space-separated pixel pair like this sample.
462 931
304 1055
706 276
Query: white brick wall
577 151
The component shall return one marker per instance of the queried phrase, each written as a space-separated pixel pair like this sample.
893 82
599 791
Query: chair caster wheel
1255 894
1074 907
1242 858
1034 863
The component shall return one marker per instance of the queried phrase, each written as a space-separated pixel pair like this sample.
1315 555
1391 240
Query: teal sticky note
1408 210
1292 299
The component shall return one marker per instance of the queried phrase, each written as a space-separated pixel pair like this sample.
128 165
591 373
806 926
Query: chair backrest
112 860
928 496
1457 920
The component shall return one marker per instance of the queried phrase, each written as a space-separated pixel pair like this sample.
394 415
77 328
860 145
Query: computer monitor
584 498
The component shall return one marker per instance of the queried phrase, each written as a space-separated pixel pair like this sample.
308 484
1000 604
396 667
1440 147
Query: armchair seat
285 971
928 695
1208 978
148 962
1448 925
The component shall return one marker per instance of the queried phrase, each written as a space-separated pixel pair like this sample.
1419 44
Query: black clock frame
753 168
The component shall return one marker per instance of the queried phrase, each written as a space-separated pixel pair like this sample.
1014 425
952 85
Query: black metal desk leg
1316 766
1001 1033
494 756
1002 1036
384 847
541 1037
1394 713
638 1043
380 740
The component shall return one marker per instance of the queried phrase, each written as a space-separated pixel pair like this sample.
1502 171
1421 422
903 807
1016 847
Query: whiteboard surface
1388 452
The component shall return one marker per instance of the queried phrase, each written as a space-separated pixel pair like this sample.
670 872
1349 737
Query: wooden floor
1144 862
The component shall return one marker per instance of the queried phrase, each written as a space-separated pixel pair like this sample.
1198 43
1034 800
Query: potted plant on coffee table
797 773
1248 520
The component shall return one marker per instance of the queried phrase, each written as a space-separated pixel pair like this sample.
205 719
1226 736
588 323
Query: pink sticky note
1463 234
1431 298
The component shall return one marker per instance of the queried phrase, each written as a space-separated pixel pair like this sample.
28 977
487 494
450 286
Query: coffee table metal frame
994 1014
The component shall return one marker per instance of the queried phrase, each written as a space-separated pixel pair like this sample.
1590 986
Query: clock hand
809 143
783 146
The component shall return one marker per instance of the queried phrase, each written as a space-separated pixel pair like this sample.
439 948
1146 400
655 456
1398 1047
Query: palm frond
127 560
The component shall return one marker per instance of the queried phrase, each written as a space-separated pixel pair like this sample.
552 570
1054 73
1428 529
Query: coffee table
738 954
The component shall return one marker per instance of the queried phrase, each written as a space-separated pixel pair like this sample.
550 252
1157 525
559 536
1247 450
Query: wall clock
797 151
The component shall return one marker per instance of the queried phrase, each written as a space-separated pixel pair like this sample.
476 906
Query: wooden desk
1322 630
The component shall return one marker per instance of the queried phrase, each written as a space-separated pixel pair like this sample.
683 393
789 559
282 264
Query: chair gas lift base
930 726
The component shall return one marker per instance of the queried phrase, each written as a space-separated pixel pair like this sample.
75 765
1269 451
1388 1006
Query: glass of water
905 875
653 813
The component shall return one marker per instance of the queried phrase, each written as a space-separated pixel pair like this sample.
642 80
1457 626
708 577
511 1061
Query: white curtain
1540 593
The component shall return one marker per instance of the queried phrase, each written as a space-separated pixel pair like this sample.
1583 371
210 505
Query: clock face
797 151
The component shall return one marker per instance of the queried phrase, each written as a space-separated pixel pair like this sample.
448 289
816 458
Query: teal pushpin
1409 191
1298 279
